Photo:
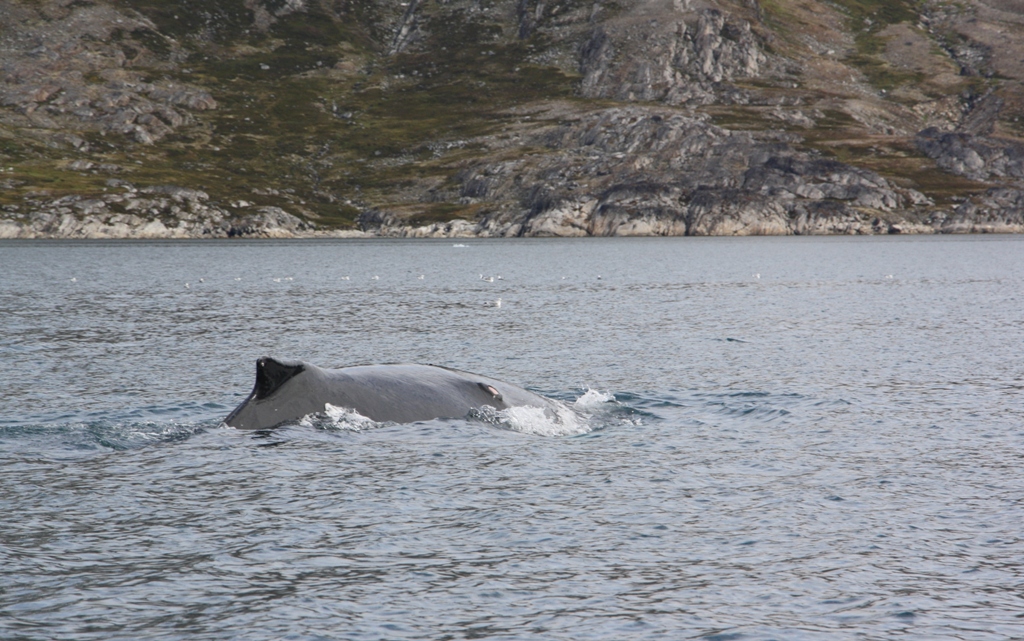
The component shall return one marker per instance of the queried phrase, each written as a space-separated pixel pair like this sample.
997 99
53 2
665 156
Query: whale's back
406 393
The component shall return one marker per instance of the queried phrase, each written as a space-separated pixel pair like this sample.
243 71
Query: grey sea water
781 438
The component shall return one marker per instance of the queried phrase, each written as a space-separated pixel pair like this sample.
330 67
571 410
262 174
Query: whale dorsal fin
272 374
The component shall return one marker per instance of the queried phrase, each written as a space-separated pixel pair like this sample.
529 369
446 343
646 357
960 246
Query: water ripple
848 468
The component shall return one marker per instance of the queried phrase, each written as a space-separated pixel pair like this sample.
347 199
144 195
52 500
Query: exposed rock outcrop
164 211
677 62
984 158
509 117
977 157
634 171
77 72
998 210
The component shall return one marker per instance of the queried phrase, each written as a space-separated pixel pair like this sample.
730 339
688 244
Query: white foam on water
603 409
563 421
593 399
339 418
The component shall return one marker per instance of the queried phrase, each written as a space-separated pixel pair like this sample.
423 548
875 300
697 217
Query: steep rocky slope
153 118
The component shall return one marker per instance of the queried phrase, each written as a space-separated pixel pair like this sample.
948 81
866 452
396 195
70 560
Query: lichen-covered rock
499 112
64 66
977 157
998 210
638 171
677 63
166 211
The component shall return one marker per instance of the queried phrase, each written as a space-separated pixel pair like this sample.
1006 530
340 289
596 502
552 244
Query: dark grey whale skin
286 391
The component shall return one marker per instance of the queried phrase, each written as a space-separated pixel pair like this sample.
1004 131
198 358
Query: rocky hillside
217 118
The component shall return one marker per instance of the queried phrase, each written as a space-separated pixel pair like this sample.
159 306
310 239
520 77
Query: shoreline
280 225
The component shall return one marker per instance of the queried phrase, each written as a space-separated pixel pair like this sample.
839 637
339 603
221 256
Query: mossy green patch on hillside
739 117
442 212
287 120
43 178
310 116
327 113
867 18
882 75
799 22
219 21
900 162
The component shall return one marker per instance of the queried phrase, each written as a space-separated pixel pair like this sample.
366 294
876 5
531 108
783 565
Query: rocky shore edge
616 172
623 171
273 222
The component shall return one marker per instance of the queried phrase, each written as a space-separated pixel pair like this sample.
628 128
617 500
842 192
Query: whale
286 391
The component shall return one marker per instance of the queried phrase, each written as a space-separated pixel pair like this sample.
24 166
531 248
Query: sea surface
775 438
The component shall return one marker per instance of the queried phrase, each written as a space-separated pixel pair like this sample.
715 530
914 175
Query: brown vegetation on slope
510 117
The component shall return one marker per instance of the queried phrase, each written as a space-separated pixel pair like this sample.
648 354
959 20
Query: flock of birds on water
486 279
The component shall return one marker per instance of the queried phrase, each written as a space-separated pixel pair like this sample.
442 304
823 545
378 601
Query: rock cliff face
976 157
638 171
74 74
225 118
665 59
